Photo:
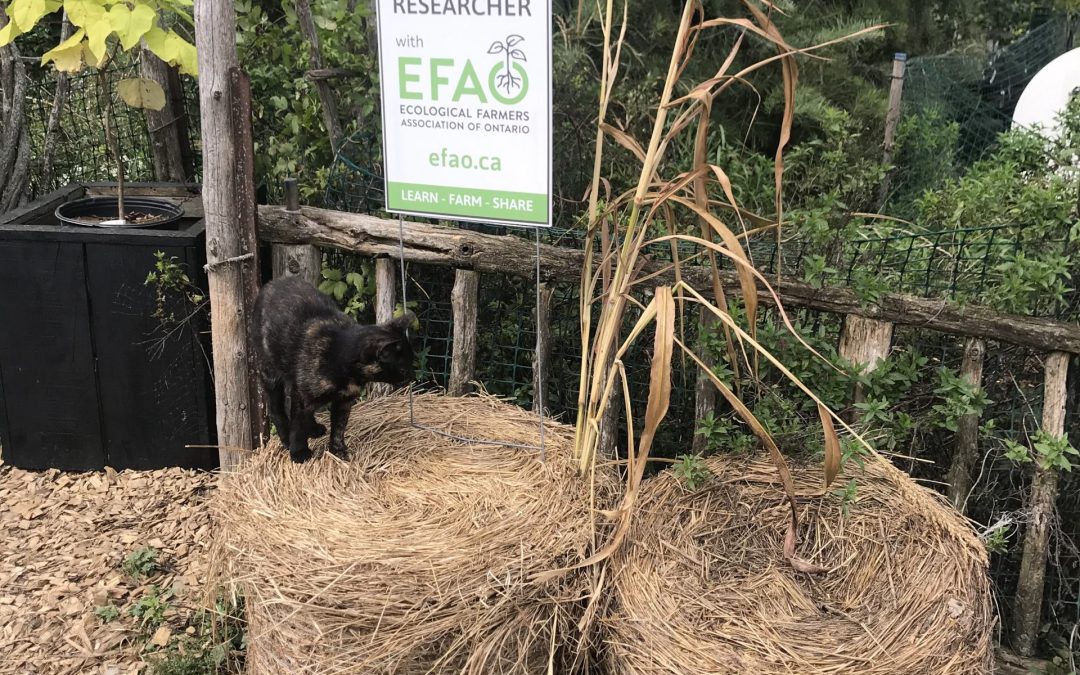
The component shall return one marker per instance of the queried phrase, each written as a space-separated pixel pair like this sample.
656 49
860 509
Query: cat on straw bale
312 354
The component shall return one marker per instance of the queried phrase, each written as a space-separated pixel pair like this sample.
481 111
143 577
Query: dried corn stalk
722 229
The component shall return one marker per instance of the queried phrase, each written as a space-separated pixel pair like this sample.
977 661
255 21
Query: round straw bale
416 555
701 586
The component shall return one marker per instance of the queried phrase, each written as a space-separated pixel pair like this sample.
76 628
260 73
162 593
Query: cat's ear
405 325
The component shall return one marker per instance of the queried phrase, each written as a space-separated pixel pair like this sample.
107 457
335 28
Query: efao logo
508 75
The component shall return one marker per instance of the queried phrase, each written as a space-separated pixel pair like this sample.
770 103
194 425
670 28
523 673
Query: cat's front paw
300 455
339 449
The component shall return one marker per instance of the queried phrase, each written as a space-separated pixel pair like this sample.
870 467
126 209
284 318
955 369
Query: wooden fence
297 233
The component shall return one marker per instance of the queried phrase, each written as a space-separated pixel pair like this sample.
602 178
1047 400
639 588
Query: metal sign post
466 111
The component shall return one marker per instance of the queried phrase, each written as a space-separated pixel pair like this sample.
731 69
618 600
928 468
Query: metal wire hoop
538 386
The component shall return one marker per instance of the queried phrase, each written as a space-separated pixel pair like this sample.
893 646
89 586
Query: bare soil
63 541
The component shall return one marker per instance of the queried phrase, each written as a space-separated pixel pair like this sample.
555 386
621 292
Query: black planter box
88 377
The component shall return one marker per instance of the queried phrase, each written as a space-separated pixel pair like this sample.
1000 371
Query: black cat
309 350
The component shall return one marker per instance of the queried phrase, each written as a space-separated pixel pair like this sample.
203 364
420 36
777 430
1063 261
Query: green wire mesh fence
973 94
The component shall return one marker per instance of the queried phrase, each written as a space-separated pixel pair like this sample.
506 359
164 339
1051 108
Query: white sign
466 109
1048 94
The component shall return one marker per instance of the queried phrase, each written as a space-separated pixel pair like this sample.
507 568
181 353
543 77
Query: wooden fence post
966 448
542 357
302 260
465 304
322 87
892 119
385 298
59 103
1040 513
385 289
14 139
167 143
609 424
231 252
866 342
704 389
246 217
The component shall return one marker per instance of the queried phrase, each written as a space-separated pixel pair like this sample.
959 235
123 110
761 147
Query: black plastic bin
85 381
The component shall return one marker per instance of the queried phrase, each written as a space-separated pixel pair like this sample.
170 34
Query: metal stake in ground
538 389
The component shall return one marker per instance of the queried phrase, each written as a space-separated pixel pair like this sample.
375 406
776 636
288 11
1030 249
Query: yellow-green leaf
68 55
97 32
119 17
130 24
189 59
83 12
139 92
9 32
173 49
92 60
142 20
26 13
156 42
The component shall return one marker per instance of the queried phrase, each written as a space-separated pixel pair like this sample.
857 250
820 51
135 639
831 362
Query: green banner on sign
523 207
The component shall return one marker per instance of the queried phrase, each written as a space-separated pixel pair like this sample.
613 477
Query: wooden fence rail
464 249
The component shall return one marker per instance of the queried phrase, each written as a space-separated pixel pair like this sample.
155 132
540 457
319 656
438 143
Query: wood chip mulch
63 540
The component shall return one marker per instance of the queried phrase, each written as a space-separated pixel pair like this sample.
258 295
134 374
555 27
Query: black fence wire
75 144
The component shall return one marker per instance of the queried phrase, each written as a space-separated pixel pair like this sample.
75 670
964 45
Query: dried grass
414 556
701 586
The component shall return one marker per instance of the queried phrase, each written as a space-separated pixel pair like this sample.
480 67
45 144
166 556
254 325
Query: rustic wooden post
322 87
609 422
866 342
247 216
166 141
892 119
704 389
385 298
966 448
542 356
14 139
452 247
301 260
230 233
52 127
385 289
1040 513
175 93
464 301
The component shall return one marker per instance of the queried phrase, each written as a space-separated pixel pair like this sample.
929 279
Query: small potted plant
105 29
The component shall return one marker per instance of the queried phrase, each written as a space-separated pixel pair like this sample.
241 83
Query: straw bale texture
702 586
415 555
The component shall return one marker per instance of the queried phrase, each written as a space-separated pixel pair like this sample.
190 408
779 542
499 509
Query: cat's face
394 358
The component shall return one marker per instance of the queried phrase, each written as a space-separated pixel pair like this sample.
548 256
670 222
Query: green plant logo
513 80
